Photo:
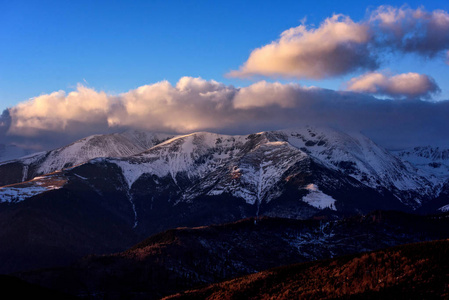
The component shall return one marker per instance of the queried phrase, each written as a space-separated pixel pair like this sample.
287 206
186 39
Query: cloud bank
340 46
194 104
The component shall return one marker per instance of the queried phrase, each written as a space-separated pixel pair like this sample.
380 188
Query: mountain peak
256 168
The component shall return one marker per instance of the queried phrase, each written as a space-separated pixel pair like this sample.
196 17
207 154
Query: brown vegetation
415 271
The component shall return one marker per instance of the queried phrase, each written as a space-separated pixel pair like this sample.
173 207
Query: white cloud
340 46
337 47
54 111
409 85
263 94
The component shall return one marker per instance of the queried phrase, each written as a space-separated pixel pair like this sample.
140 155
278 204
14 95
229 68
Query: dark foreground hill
185 258
413 271
14 288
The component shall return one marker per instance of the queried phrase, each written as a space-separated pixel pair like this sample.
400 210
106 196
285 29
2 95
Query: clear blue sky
116 46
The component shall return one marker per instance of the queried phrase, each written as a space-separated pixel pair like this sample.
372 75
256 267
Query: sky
74 68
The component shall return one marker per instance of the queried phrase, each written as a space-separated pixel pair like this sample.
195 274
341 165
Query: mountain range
256 168
105 193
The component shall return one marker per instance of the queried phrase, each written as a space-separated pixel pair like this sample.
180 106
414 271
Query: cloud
194 104
264 94
55 111
411 31
408 85
337 47
5 122
340 46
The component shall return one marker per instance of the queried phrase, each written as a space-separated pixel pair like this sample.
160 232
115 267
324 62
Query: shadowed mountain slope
183 258
413 271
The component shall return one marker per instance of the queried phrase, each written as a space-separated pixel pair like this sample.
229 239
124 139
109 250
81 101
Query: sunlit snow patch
21 191
317 198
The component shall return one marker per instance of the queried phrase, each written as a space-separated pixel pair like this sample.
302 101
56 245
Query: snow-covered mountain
357 156
430 161
243 166
313 168
205 178
252 167
81 151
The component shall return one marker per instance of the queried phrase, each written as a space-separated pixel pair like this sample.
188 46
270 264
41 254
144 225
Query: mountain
432 162
184 258
414 271
81 151
54 229
256 168
206 178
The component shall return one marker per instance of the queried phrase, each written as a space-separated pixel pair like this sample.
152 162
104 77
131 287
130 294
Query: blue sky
115 46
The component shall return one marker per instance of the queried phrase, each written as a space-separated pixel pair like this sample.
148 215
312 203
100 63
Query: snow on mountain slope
111 145
359 157
243 166
432 162
318 199
255 174
81 151
251 166
19 192
144 139
178 155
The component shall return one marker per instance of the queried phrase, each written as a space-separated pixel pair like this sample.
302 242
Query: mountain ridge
411 271
99 145
181 258
357 157
207 178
